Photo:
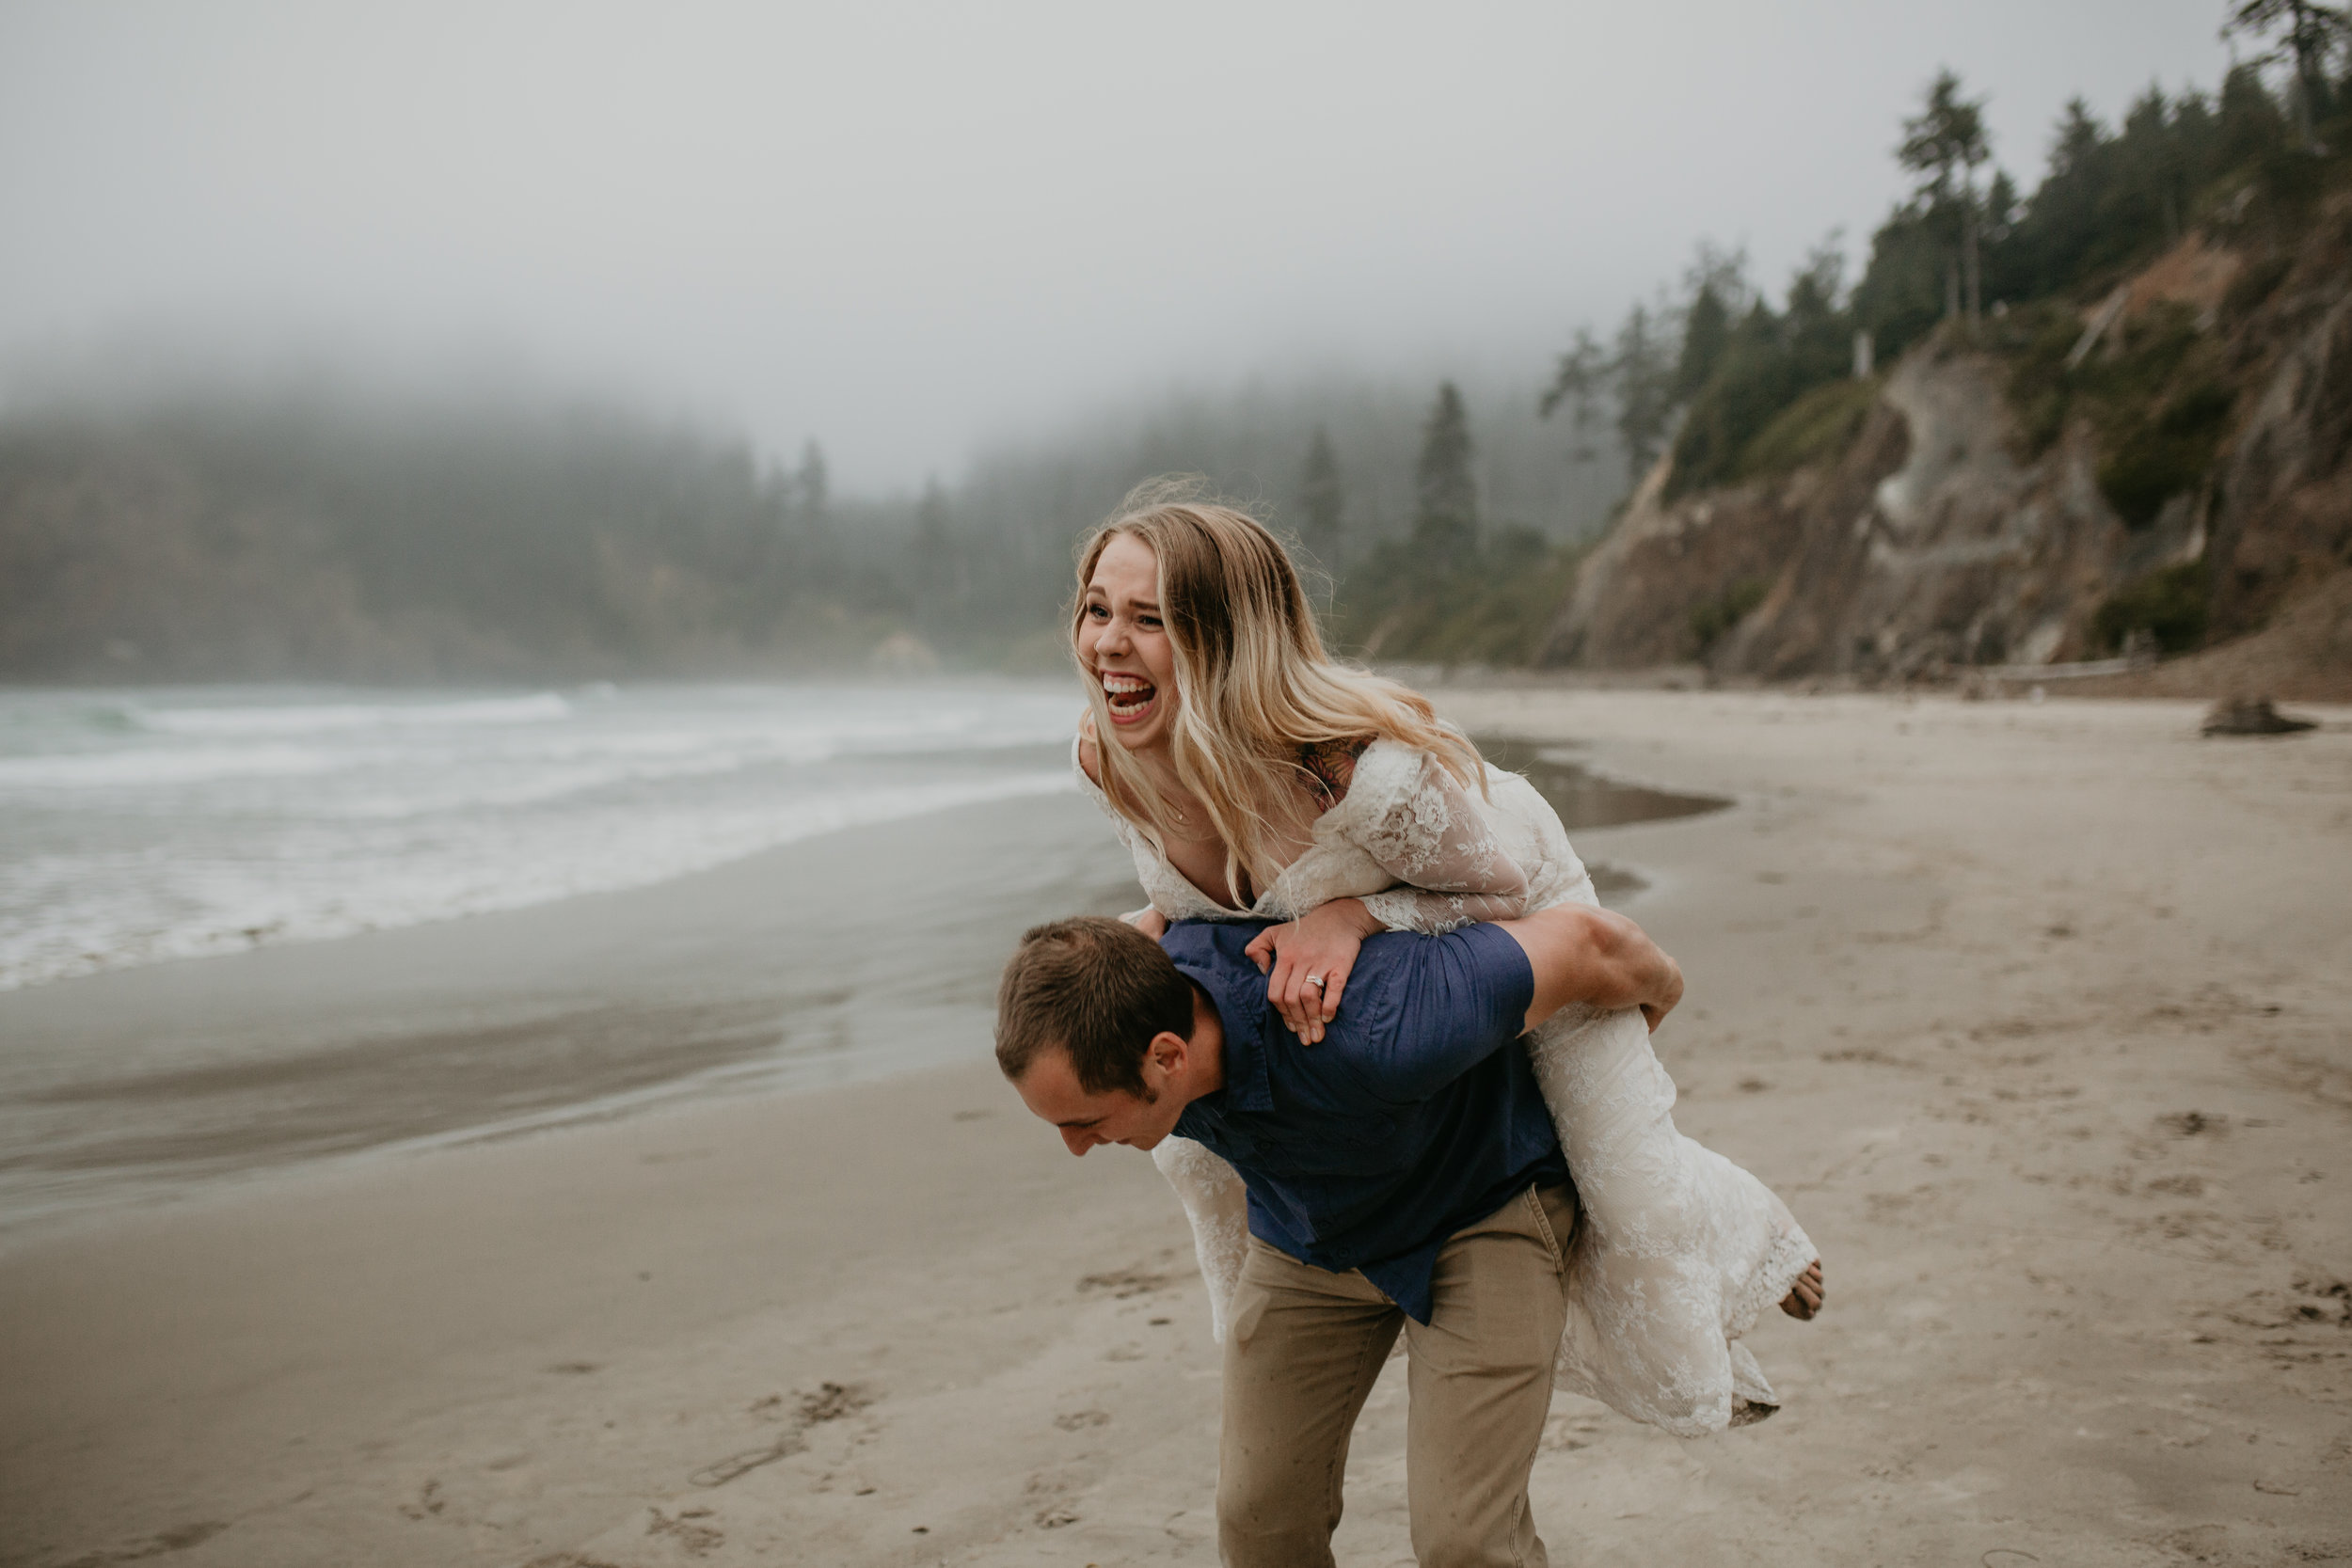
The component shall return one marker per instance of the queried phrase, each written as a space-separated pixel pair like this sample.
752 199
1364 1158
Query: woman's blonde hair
1255 689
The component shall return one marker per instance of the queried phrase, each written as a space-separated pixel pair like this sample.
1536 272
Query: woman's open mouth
1130 697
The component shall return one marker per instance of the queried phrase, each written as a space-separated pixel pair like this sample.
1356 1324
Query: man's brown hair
1098 988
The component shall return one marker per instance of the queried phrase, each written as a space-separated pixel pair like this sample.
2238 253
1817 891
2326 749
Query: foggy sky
909 230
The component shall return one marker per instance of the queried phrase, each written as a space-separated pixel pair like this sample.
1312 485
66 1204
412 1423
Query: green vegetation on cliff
2230 191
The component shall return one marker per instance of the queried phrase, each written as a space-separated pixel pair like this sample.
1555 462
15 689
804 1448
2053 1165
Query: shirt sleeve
1463 997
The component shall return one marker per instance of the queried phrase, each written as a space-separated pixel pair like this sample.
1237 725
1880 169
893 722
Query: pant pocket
1555 1236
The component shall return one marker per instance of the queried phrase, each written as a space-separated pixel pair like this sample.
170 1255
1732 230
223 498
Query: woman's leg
1219 1207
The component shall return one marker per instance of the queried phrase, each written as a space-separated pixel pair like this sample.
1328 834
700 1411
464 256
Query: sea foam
142 827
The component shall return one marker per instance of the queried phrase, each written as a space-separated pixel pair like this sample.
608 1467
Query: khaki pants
1300 1359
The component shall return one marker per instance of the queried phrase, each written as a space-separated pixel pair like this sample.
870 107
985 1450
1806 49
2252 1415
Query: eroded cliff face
1927 544
1931 542
2284 519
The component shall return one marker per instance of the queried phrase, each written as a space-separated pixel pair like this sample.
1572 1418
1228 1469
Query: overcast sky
906 230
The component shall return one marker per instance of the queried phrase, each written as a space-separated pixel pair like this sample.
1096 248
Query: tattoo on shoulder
1331 765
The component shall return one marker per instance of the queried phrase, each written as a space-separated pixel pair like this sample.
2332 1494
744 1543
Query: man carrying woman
1404 1175
1284 811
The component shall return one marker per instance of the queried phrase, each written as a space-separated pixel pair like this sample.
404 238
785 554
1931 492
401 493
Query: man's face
1051 1089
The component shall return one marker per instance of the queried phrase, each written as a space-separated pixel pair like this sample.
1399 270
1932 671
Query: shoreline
607 1004
2038 1016
734 979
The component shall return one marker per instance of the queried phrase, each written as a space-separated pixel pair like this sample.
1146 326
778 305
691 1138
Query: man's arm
1468 995
1583 954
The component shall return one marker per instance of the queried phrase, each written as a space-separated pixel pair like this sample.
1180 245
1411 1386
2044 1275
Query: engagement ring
1312 980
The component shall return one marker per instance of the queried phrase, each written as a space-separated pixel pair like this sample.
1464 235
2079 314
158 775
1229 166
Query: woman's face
1123 645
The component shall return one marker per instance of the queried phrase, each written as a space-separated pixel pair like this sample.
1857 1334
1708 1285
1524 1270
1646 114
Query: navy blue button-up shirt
1414 1116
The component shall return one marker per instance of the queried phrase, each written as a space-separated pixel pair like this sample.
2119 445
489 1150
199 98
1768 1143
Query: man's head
1100 1036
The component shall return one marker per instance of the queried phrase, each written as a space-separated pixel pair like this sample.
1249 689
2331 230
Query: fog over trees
301 531
333 533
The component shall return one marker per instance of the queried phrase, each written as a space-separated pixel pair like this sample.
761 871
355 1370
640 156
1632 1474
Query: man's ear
1165 1059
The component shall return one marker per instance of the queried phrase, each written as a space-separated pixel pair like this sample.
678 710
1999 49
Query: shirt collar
1237 992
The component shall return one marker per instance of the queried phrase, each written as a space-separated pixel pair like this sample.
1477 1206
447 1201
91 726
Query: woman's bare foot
1804 1298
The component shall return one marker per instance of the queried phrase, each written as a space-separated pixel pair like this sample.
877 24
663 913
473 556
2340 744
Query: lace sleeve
1431 836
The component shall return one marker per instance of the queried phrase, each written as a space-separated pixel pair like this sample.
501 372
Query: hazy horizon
911 234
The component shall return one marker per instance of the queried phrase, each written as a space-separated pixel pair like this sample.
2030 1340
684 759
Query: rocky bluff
2169 462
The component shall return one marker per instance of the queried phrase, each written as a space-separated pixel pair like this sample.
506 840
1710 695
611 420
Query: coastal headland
2040 1015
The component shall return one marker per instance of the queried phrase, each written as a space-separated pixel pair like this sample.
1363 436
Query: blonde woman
1253 778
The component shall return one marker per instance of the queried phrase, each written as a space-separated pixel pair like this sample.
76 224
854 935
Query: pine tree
1706 330
937 569
1636 372
2314 32
1944 143
1718 290
2250 124
1581 381
1322 503
814 487
1445 521
1645 386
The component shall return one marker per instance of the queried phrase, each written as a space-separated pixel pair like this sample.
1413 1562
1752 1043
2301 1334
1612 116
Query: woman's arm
1432 837
1451 871
1307 962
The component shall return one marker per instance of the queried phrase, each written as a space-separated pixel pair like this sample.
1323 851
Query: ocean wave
293 719
68 915
156 767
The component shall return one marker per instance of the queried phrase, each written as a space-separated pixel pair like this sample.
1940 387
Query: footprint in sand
1123 1283
830 1401
697 1539
178 1539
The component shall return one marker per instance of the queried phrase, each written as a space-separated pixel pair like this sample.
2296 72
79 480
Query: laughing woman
1254 778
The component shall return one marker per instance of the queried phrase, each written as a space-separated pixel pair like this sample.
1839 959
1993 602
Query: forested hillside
336 537
2038 424
2038 427
334 534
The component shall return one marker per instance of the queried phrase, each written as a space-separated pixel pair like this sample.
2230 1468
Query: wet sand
859 953
2039 1016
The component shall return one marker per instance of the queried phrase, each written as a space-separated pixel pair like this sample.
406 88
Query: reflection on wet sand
1586 799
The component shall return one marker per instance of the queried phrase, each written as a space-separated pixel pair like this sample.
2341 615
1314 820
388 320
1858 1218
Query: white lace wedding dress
1678 1250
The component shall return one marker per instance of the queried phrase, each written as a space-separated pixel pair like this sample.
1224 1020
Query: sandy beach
2039 1015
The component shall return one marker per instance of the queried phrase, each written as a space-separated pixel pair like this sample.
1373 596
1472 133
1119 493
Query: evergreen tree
1718 290
814 487
1445 520
2068 225
1322 503
1644 373
1662 357
2313 33
937 569
1706 333
1581 381
2251 123
1902 295
1944 143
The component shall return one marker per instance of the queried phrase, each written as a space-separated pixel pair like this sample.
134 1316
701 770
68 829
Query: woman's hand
1305 962
1150 922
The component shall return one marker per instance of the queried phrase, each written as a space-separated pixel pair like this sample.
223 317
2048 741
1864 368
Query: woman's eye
1099 612
1151 620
